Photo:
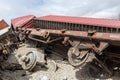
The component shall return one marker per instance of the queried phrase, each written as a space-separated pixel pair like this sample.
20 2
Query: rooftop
82 20
20 21
3 24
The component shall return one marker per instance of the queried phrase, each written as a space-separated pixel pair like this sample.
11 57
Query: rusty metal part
63 30
46 34
91 33
91 46
28 61
66 41
76 57
1 46
47 41
102 46
105 68
21 36
111 38
13 66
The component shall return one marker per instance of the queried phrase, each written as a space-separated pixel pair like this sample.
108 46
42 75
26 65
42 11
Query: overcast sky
88 8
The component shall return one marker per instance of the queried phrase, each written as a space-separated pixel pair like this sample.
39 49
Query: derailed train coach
79 39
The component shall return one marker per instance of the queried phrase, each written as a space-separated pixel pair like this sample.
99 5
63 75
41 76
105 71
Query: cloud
88 8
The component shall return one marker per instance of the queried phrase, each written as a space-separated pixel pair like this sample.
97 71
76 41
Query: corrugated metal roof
3 24
82 20
21 21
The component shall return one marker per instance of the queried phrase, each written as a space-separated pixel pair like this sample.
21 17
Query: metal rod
46 42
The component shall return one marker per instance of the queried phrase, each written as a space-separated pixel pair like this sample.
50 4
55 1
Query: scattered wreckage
78 39
7 40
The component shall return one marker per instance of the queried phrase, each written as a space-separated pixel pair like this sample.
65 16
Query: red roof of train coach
3 24
25 21
82 20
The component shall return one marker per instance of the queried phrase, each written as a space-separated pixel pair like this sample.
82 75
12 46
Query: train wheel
29 61
76 57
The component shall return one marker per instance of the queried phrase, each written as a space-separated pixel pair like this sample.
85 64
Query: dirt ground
64 71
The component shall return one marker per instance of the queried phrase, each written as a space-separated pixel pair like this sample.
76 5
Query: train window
43 24
82 26
65 25
56 25
52 25
94 27
108 29
36 24
114 30
111 30
68 26
59 25
77 25
90 27
48 24
119 30
104 29
99 29
62 25
86 27
71 26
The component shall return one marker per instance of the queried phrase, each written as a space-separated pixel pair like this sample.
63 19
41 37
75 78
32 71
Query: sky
82 8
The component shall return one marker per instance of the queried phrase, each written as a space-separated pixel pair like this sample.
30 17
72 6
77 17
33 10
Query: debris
10 66
52 66
64 78
44 78
13 67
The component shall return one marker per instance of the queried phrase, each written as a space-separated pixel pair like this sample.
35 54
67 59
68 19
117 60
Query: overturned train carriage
81 39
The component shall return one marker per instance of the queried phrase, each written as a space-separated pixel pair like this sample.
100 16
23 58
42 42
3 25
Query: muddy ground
64 70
